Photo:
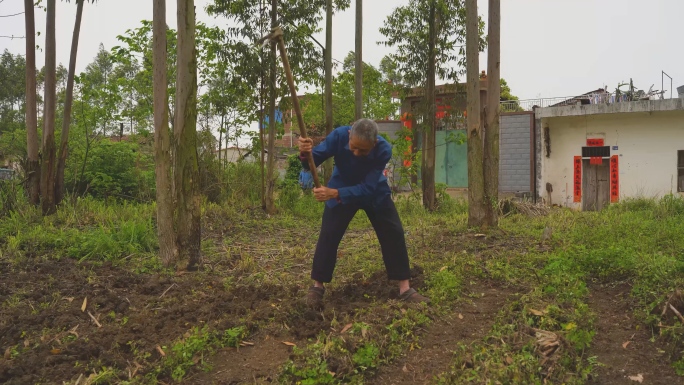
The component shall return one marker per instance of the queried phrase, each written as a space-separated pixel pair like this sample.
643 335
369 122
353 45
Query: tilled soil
51 336
46 337
261 362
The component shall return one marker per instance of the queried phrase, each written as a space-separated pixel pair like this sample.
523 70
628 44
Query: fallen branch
94 319
165 291
667 303
530 209
137 367
677 313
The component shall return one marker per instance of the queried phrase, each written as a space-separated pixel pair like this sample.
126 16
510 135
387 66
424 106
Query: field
554 297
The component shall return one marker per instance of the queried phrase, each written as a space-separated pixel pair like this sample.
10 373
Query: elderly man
358 182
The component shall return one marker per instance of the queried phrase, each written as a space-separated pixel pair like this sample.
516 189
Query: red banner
614 180
577 181
597 160
442 111
595 142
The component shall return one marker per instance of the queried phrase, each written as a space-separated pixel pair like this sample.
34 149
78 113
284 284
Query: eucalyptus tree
429 38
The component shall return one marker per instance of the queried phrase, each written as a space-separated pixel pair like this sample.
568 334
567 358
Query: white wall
647 145
232 155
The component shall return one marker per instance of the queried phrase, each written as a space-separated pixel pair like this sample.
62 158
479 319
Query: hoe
276 35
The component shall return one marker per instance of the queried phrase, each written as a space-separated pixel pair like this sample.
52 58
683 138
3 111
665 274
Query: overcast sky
549 48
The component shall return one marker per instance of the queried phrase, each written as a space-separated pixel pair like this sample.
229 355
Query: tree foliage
407 30
377 97
299 20
12 94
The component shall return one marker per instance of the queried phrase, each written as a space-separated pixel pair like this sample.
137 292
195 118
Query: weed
12 301
233 336
106 375
367 357
679 367
444 286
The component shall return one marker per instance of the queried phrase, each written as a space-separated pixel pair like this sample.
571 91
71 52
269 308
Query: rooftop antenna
662 79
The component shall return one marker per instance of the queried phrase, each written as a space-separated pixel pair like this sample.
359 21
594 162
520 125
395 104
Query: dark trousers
387 226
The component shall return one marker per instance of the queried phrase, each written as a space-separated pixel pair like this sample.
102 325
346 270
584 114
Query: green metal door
451 166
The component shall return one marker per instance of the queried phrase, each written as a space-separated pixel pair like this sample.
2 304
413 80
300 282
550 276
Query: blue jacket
357 179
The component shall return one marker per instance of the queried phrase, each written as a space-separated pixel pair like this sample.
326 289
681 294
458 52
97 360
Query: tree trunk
47 177
68 102
88 141
262 141
328 166
162 139
186 170
358 77
491 131
270 206
429 139
33 169
262 112
476 209
220 143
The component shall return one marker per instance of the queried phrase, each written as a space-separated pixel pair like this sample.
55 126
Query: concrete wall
645 141
515 148
389 127
515 152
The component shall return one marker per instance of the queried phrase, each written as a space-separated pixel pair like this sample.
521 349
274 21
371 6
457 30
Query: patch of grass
638 241
90 230
510 354
105 375
370 342
192 349
444 286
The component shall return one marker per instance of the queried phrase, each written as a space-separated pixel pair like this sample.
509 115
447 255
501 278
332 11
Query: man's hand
305 145
323 193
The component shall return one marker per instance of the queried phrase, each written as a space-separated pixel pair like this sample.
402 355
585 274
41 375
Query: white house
233 154
592 155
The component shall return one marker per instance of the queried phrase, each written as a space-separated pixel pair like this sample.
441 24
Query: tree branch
16 14
13 37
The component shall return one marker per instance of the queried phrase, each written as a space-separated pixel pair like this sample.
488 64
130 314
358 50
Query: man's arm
322 152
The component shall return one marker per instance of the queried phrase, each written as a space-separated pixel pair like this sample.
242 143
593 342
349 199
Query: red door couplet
577 180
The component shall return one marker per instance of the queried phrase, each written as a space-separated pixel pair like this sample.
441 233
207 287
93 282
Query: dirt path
420 366
257 364
615 327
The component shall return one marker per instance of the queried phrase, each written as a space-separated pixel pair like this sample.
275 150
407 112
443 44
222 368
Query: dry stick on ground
667 303
165 291
94 319
677 313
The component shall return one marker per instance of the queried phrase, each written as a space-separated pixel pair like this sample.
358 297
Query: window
680 171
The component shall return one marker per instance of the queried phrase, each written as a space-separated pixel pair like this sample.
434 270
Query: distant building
234 154
592 155
516 139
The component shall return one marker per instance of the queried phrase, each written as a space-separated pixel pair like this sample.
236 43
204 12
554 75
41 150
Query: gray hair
365 130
